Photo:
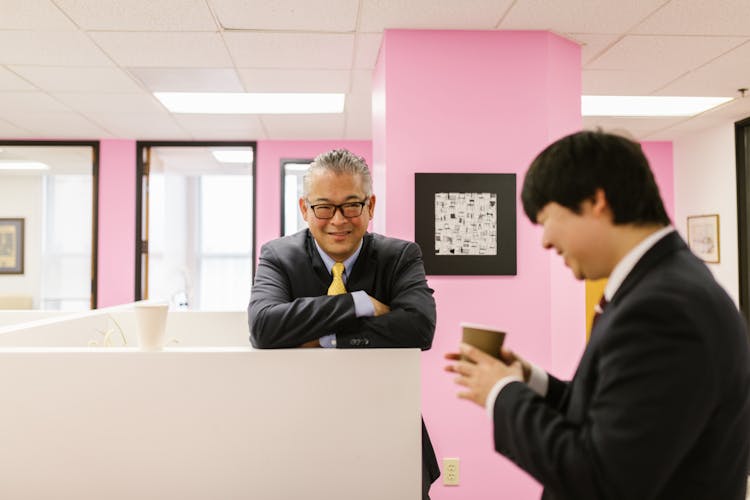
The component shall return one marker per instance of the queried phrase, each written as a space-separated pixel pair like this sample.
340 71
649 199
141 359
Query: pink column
479 102
116 246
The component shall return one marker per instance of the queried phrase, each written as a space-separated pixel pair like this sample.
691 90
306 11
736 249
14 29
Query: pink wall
480 102
659 155
116 247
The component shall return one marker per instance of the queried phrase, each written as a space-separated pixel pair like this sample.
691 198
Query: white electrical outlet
450 471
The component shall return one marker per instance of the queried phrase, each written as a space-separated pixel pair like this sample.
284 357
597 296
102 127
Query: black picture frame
440 192
11 245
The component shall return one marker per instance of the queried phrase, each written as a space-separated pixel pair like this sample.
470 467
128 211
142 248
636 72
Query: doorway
48 202
195 227
742 148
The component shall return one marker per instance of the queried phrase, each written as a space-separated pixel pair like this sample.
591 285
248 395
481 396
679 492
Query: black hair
570 170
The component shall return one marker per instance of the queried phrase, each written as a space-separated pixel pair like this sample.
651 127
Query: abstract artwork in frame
703 237
465 224
11 246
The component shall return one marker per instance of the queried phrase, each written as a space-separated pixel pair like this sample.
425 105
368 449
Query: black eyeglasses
348 210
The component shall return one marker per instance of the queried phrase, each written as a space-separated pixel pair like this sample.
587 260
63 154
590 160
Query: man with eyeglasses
335 285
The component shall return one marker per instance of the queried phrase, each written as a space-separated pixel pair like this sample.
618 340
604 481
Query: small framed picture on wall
11 246
703 237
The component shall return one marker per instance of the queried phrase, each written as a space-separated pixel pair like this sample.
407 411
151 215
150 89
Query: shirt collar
348 263
627 263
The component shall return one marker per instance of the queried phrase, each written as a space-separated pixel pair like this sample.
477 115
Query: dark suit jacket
659 405
289 304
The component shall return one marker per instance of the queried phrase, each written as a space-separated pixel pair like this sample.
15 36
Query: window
66 242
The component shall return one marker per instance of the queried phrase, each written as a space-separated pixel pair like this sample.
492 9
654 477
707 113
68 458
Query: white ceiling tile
140 15
222 127
10 131
591 45
304 126
32 102
57 125
578 16
11 81
624 82
139 125
50 48
59 78
162 50
90 102
720 77
378 15
189 79
295 80
699 17
111 103
291 50
675 53
310 15
367 47
32 15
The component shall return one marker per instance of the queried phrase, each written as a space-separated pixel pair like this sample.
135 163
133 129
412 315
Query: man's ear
303 208
600 204
371 206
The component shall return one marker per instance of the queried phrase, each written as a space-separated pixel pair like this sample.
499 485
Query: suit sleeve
278 320
649 395
411 321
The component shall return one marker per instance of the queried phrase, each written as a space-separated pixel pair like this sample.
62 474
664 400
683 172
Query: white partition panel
221 423
184 328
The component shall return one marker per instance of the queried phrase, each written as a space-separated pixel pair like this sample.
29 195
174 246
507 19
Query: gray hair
339 161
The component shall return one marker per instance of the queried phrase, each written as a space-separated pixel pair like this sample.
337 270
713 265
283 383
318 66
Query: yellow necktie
337 284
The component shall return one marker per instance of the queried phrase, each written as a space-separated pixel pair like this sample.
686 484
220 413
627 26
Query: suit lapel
319 268
363 272
666 246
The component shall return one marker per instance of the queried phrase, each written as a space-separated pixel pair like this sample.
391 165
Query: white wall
21 196
705 183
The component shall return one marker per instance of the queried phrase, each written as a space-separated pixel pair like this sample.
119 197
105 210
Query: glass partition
196 224
50 188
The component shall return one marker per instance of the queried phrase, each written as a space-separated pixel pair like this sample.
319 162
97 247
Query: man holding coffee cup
659 406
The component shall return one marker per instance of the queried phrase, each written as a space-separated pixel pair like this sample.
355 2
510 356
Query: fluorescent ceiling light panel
234 155
23 165
633 105
244 103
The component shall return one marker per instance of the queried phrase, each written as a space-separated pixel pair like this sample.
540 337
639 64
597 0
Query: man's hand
380 308
510 357
479 372
312 343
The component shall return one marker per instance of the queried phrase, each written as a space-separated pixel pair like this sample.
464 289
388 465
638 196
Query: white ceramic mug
151 325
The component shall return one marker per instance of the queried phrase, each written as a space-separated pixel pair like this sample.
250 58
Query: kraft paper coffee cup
484 338
151 325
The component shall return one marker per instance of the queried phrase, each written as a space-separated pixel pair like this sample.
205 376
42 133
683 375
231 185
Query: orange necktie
337 284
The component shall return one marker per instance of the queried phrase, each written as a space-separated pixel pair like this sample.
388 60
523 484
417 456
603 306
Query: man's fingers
466 395
474 354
